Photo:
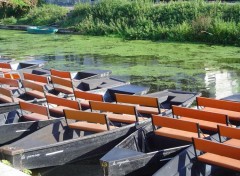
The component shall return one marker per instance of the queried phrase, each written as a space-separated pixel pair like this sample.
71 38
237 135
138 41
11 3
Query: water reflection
222 83
154 72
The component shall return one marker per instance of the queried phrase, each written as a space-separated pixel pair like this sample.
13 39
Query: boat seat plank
85 97
115 108
5 70
218 104
93 127
11 88
221 161
233 115
35 94
88 96
6 99
39 79
35 117
123 118
85 103
5 65
59 109
148 110
13 76
177 134
144 104
207 125
218 154
64 89
60 73
9 81
228 131
233 142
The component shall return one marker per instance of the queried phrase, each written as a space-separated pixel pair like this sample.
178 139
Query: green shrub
16 8
7 21
44 15
179 21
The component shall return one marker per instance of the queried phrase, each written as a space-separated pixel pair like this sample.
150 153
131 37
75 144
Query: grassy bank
194 21
184 21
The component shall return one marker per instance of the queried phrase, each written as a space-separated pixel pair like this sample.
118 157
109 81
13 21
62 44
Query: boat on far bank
41 30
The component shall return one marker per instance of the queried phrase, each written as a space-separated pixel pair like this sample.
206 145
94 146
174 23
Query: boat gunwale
61 143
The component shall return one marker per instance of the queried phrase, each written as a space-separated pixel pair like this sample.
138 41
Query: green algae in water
160 65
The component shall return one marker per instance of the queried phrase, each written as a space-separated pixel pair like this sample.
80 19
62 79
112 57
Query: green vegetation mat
159 64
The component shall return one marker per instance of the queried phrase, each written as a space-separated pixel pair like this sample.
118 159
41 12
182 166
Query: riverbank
184 21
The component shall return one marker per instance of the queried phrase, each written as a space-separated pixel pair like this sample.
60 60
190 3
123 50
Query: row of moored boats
53 117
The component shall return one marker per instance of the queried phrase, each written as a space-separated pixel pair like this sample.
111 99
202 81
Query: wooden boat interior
117 112
214 154
84 97
57 104
232 109
218 154
8 83
66 129
145 104
207 120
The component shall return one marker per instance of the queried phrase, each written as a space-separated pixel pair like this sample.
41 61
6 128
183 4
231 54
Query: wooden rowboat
14 67
187 163
64 142
144 152
58 143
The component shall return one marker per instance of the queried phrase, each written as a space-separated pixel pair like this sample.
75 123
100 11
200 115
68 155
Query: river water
147 71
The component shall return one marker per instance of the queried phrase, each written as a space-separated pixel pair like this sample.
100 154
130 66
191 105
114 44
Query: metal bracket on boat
137 125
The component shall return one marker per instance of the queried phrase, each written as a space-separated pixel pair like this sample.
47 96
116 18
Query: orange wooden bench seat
39 79
218 154
85 97
62 104
7 97
62 85
38 112
94 127
5 70
233 142
176 134
124 118
12 75
5 67
147 105
12 84
35 117
206 120
88 121
230 132
36 91
177 129
232 109
116 112
60 73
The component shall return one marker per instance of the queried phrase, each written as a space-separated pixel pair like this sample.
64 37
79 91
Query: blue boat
41 30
